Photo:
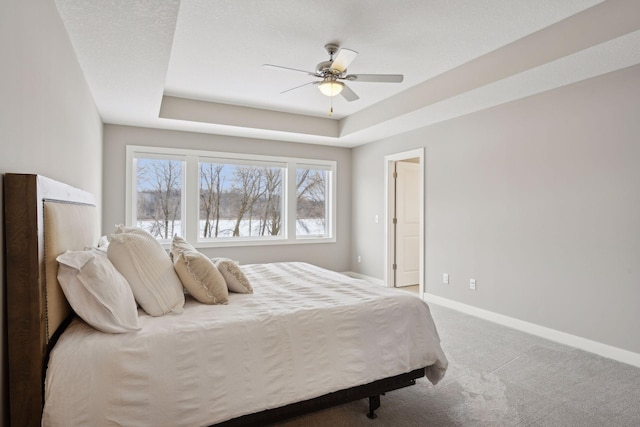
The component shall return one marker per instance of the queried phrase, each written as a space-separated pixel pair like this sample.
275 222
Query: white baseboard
363 277
601 349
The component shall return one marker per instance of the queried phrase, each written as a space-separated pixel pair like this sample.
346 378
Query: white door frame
388 225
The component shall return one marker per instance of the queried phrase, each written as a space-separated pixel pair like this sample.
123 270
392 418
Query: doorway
404 200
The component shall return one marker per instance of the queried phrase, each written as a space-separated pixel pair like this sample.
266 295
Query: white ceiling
197 64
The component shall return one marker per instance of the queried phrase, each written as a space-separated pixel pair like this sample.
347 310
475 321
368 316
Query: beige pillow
178 244
140 258
235 278
97 292
198 274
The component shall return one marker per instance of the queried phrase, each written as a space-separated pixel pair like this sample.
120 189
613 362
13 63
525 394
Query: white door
407 233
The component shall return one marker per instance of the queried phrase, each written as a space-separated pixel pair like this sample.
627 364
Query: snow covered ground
311 227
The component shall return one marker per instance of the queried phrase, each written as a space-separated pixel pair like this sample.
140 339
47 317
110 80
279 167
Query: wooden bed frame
37 311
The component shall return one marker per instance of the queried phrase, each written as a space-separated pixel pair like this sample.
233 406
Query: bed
308 338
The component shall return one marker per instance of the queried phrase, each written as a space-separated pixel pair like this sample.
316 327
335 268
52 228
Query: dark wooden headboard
41 220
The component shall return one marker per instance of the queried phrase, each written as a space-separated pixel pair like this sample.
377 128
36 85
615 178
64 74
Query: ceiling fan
334 71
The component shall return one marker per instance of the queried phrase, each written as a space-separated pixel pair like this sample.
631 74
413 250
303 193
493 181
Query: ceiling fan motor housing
323 69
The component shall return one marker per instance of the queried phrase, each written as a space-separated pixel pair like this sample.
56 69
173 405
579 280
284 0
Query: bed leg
374 403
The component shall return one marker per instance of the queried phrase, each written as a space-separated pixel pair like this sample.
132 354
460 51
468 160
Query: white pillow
198 274
140 258
97 292
235 278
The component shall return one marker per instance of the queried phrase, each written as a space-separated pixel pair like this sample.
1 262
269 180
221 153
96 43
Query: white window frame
191 194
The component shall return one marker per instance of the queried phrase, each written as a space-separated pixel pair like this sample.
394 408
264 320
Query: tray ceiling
197 64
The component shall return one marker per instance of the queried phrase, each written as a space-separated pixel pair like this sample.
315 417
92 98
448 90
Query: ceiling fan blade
287 68
343 59
298 87
375 78
348 94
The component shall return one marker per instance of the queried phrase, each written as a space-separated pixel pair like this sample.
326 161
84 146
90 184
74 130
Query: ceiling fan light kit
330 87
334 70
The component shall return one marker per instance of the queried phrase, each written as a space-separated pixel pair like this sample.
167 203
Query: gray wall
49 124
538 200
334 256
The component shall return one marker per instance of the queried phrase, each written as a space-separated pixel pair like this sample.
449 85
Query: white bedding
305 332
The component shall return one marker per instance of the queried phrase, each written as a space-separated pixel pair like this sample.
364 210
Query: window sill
249 243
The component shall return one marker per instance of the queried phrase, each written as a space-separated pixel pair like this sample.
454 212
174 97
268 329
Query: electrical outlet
445 278
472 284
359 259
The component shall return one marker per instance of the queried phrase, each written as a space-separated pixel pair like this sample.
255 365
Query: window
220 199
239 200
159 196
311 201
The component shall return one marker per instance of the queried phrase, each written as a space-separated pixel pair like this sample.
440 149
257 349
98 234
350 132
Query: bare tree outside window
249 187
159 194
311 193
211 182
240 200
272 211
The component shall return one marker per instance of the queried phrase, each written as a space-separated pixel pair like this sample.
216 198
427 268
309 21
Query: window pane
240 200
311 203
159 196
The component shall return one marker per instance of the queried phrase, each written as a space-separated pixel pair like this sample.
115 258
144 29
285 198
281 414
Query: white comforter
305 332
